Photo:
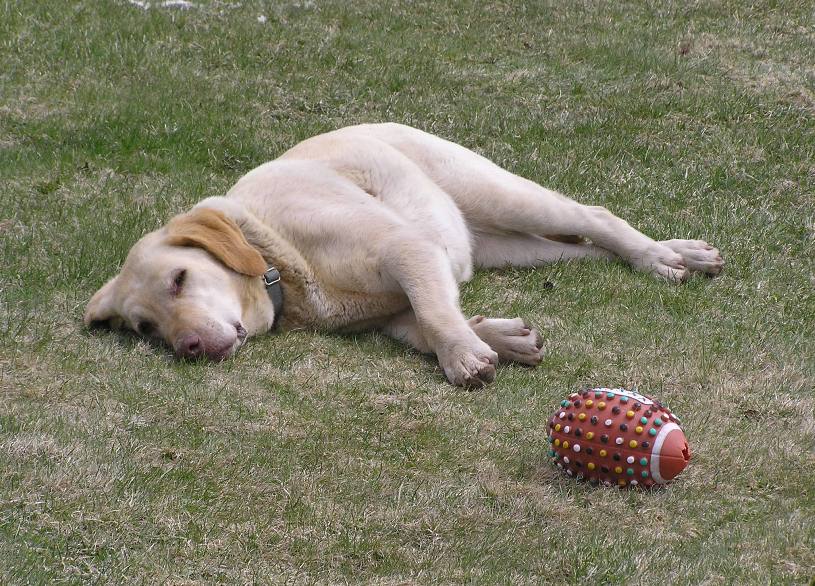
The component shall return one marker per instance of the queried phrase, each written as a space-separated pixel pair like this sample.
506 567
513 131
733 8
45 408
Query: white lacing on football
658 441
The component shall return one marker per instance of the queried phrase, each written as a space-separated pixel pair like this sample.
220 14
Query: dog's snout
189 346
241 331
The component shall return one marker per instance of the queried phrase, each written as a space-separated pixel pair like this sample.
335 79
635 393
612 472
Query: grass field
312 458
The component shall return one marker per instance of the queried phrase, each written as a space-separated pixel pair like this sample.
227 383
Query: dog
368 227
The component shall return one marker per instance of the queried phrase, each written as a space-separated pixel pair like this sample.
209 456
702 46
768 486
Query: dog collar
271 280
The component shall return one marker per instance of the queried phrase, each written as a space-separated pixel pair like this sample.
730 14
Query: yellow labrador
370 226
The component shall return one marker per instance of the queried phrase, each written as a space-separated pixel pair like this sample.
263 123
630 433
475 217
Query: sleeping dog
368 227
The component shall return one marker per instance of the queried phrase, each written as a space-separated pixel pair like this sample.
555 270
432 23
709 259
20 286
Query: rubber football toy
616 436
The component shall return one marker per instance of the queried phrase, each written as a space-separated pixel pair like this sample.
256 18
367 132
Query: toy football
615 436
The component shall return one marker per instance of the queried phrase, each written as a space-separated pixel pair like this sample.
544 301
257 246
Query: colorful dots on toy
653 462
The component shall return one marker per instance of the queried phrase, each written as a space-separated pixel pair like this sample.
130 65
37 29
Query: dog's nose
189 346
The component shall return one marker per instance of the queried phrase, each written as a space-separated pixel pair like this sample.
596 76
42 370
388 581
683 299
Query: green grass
328 459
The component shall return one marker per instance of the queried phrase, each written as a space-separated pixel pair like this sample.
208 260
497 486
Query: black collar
271 280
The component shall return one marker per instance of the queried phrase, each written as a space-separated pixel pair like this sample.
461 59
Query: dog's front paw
469 366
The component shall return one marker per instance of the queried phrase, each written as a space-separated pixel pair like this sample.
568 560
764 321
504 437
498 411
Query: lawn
316 458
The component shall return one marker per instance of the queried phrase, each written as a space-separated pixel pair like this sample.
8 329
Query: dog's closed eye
179 277
145 327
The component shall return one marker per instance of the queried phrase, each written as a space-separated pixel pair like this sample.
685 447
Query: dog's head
193 284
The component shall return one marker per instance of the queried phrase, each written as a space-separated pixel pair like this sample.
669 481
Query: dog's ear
101 311
221 237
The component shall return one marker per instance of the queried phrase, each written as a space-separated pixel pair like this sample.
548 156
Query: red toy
615 436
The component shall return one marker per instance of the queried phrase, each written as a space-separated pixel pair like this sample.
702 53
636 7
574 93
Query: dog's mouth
241 339
242 333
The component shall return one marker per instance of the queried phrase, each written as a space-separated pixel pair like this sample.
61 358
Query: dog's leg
521 206
512 339
404 328
518 205
495 201
424 273
496 251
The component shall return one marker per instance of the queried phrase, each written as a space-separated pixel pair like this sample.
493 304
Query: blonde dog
367 227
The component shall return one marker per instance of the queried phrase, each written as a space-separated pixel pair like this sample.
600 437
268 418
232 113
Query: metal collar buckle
271 277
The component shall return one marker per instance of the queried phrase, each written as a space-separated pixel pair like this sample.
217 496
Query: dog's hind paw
512 339
699 256
661 261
